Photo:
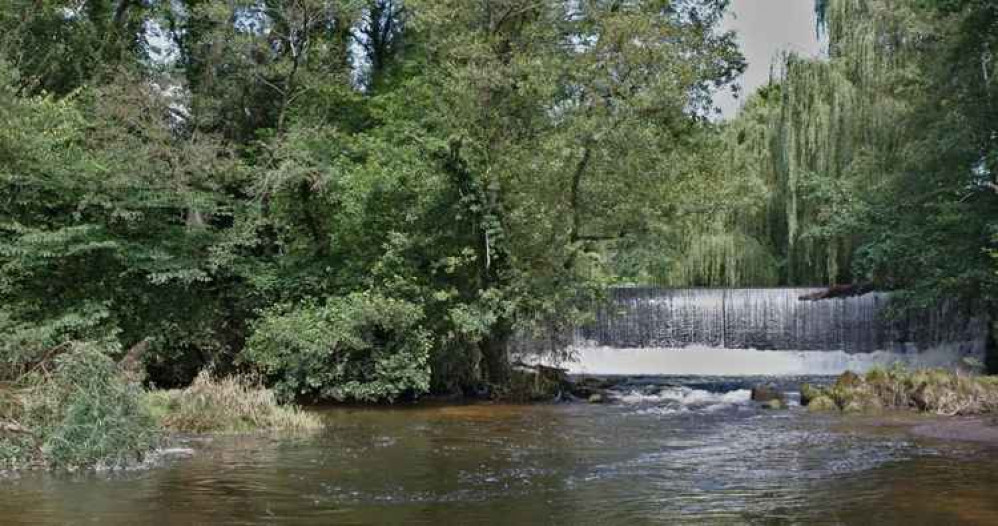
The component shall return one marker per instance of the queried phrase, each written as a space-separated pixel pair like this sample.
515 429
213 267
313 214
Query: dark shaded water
660 456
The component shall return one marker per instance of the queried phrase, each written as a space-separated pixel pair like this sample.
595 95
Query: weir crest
649 330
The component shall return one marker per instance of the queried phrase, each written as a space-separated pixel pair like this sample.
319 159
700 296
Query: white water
740 362
682 399
653 331
771 319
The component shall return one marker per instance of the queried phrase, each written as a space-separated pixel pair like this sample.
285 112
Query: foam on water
590 360
669 400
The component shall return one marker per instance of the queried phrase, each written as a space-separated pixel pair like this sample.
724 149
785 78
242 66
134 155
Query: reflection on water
661 455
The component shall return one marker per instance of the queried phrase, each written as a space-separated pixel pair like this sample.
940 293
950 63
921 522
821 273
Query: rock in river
767 392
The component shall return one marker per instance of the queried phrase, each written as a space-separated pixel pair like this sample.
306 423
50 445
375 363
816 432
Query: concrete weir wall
765 331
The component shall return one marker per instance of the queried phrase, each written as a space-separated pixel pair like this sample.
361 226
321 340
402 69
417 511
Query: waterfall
643 324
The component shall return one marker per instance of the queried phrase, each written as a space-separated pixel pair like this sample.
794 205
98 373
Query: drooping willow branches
814 145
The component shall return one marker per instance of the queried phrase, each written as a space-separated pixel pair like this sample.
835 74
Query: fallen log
839 291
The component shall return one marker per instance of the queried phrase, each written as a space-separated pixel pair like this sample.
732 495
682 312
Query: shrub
227 405
82 414
362 347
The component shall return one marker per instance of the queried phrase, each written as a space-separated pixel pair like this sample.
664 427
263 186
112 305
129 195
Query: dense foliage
372 199
358 347
381 197
876 164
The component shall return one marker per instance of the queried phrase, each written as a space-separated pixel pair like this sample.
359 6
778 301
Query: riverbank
937 391
224 405
82 410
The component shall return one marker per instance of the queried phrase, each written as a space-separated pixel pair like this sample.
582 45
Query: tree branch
575 196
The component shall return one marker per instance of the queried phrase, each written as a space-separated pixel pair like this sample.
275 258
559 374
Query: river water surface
690 452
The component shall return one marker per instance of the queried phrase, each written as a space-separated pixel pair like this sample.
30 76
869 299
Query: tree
111 222
59 46
536 101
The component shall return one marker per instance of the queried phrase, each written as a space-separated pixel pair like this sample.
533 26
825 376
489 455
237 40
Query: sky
765 29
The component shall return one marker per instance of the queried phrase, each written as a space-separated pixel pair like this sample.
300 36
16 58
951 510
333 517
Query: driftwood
13 427
42 364
839 291
538 368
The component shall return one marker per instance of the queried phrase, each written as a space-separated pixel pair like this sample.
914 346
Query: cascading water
640 330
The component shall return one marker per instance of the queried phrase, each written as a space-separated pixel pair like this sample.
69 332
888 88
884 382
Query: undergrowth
79 412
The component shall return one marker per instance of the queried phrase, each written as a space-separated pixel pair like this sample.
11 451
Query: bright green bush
361 347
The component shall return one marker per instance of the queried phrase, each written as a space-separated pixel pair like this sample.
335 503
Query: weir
649 330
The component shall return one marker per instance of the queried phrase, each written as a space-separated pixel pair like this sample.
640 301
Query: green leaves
103 203
362 347
86 414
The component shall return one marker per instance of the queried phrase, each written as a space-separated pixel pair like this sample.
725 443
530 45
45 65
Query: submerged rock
532 383
596 383
766 393
774 404
808 393
588 387
176 452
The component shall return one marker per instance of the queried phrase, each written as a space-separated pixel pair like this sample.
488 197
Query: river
678 451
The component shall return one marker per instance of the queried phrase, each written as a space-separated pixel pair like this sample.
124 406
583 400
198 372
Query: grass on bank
79 410
225 405
936 391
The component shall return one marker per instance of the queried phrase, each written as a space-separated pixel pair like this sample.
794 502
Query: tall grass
225 405
79 410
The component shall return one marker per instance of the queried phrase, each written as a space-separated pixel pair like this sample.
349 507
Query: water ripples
659 454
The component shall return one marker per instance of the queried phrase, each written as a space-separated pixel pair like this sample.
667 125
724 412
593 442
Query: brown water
683 455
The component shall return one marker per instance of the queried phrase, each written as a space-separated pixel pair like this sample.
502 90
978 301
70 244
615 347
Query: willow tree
840 133
934 230
726 238
879 159
816 145
884 150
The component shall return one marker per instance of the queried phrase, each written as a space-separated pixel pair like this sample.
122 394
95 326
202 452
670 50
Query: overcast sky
765 29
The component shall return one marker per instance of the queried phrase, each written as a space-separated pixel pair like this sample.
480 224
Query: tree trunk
495 355
991 349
